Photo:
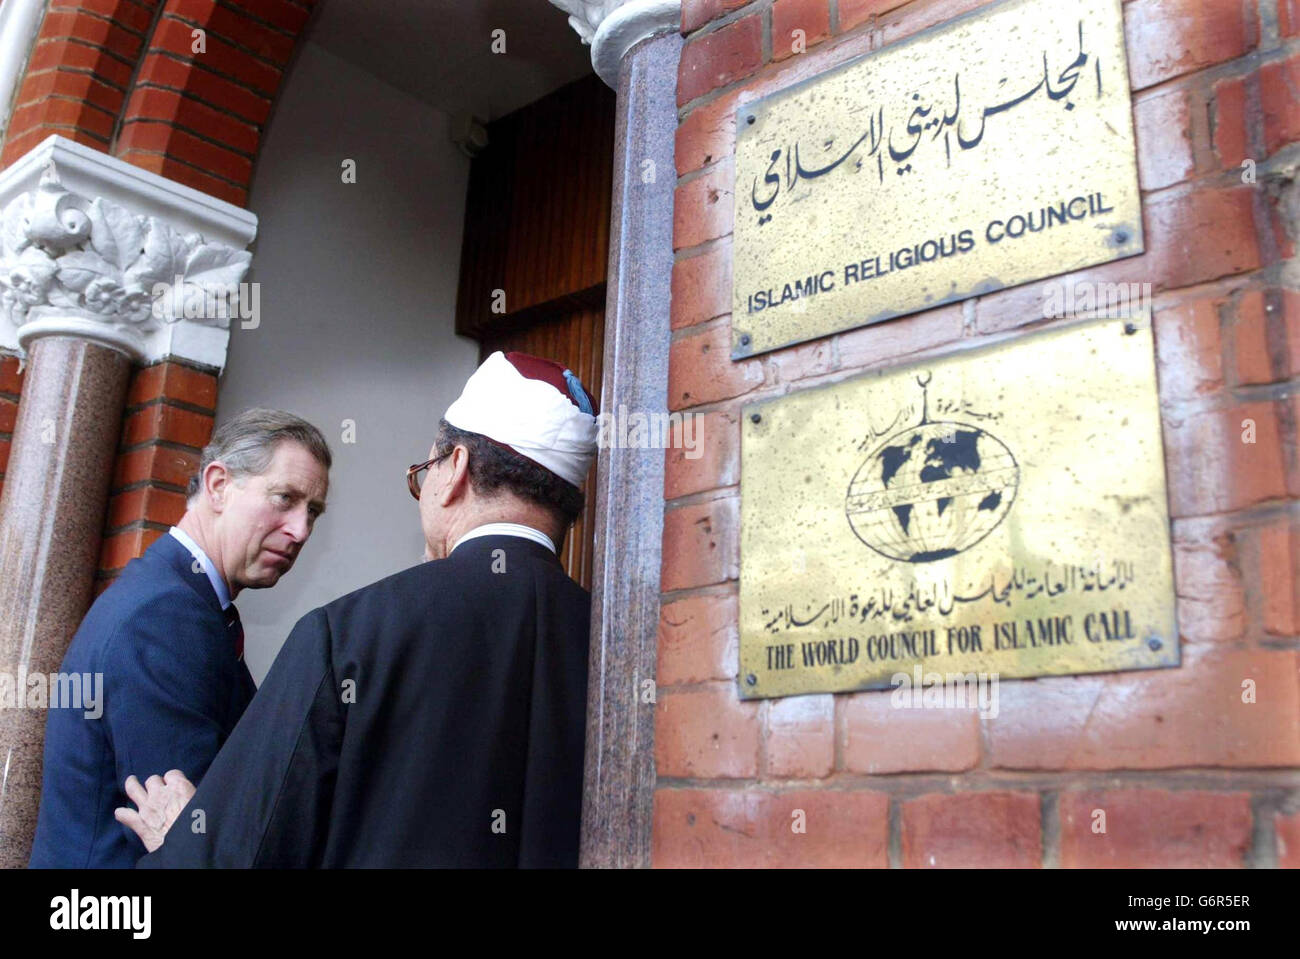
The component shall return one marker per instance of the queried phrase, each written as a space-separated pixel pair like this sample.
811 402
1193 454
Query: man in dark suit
436 717
167 640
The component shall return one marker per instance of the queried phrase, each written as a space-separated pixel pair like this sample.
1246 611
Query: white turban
534 406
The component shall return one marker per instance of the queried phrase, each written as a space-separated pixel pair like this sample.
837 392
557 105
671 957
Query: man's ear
215 485
457 484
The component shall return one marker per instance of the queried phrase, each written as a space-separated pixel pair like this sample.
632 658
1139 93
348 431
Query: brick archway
124 76
184 89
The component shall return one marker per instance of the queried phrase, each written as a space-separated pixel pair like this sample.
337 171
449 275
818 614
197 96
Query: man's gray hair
246 442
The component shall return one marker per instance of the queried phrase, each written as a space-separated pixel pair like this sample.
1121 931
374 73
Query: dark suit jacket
173 691
434 718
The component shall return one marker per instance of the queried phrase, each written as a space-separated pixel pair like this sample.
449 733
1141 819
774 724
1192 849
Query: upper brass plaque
991 151
999 511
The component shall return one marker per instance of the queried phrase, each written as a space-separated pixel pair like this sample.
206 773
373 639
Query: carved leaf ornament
94 257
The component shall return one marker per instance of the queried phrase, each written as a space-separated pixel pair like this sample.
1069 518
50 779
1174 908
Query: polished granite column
618 794
51 518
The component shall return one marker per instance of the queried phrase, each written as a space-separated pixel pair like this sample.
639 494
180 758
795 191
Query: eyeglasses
415 474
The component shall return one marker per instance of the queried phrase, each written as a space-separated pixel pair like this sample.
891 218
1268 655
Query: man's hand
160 801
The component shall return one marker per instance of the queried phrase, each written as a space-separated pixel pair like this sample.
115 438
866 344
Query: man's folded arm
265 800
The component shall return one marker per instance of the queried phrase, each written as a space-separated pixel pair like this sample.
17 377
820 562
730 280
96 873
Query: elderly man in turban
436 717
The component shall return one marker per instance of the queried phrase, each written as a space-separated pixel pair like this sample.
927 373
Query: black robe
434 718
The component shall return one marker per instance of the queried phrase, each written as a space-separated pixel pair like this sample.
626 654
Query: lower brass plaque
1000 511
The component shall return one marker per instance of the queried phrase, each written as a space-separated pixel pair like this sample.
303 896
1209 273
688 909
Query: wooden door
536 247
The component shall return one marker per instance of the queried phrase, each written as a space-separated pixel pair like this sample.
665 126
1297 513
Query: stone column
53 502
635 47
102 266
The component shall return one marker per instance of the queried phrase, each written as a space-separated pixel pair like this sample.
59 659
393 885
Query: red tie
236 630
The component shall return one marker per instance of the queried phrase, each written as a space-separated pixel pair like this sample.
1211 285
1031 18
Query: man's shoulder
420 580
450 581
148 588
492 557
149 582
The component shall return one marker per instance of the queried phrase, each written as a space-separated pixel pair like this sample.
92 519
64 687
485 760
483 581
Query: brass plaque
984 153
998 511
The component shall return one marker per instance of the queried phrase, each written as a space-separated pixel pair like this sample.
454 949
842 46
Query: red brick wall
78 75
1186 773
122 76
199 117
168 420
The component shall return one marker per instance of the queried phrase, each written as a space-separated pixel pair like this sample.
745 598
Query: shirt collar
218 584
507 529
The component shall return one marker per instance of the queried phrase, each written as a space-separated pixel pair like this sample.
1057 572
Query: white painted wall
358 292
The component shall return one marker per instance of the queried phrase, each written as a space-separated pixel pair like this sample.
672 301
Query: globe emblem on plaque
932 491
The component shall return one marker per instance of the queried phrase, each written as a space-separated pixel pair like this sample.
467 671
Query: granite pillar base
51 520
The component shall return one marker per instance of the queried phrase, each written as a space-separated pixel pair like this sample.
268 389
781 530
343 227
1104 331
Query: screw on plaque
1154 644
751 118
755 417
1130 328
1120 237
744 339
751 679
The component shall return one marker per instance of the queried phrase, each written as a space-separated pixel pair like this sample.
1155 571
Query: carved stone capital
613 27
95 248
